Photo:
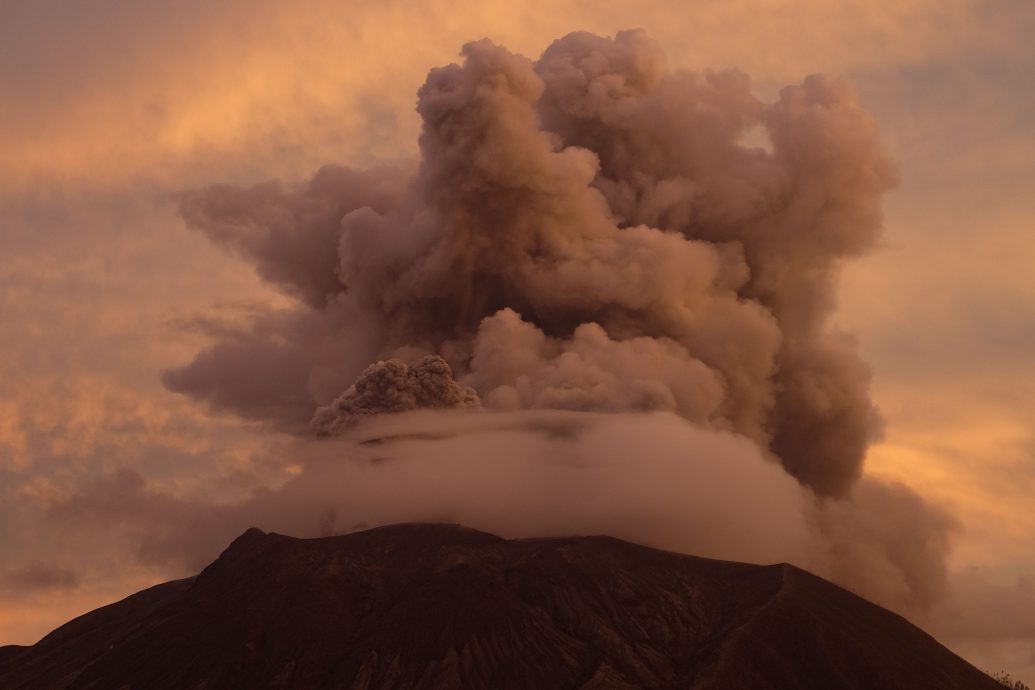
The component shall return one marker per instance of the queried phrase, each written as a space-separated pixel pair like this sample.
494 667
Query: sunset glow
114 113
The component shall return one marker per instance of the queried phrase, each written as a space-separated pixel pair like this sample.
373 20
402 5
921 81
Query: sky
111 109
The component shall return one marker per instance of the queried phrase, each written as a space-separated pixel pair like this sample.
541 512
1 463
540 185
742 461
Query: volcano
442 606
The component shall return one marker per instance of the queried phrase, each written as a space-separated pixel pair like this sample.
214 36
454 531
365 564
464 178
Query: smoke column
584 232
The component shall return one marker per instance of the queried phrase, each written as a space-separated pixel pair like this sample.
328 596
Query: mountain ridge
444 606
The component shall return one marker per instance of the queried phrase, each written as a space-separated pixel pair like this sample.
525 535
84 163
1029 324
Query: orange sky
109 109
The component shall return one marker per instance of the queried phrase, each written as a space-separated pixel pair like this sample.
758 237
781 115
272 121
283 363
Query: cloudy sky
111 108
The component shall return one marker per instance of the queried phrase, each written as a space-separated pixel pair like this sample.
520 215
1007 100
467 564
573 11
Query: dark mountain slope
439 606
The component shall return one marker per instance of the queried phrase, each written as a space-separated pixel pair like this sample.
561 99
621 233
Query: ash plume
393 386
588 231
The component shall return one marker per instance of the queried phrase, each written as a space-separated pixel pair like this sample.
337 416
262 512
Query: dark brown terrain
440 606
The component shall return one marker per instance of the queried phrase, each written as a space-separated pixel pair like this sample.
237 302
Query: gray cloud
38 577
291 235
584 232
392 386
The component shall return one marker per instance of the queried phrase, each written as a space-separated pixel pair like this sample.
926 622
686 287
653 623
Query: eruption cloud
591 232
585 232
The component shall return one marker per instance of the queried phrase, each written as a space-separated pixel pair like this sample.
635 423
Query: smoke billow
585 232
588 232
392 386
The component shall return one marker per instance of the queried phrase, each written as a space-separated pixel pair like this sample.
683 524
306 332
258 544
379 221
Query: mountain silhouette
442 606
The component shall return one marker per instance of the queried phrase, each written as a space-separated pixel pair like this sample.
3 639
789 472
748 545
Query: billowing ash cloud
393 386
585 232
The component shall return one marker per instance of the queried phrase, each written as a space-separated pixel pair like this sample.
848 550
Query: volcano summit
442 606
